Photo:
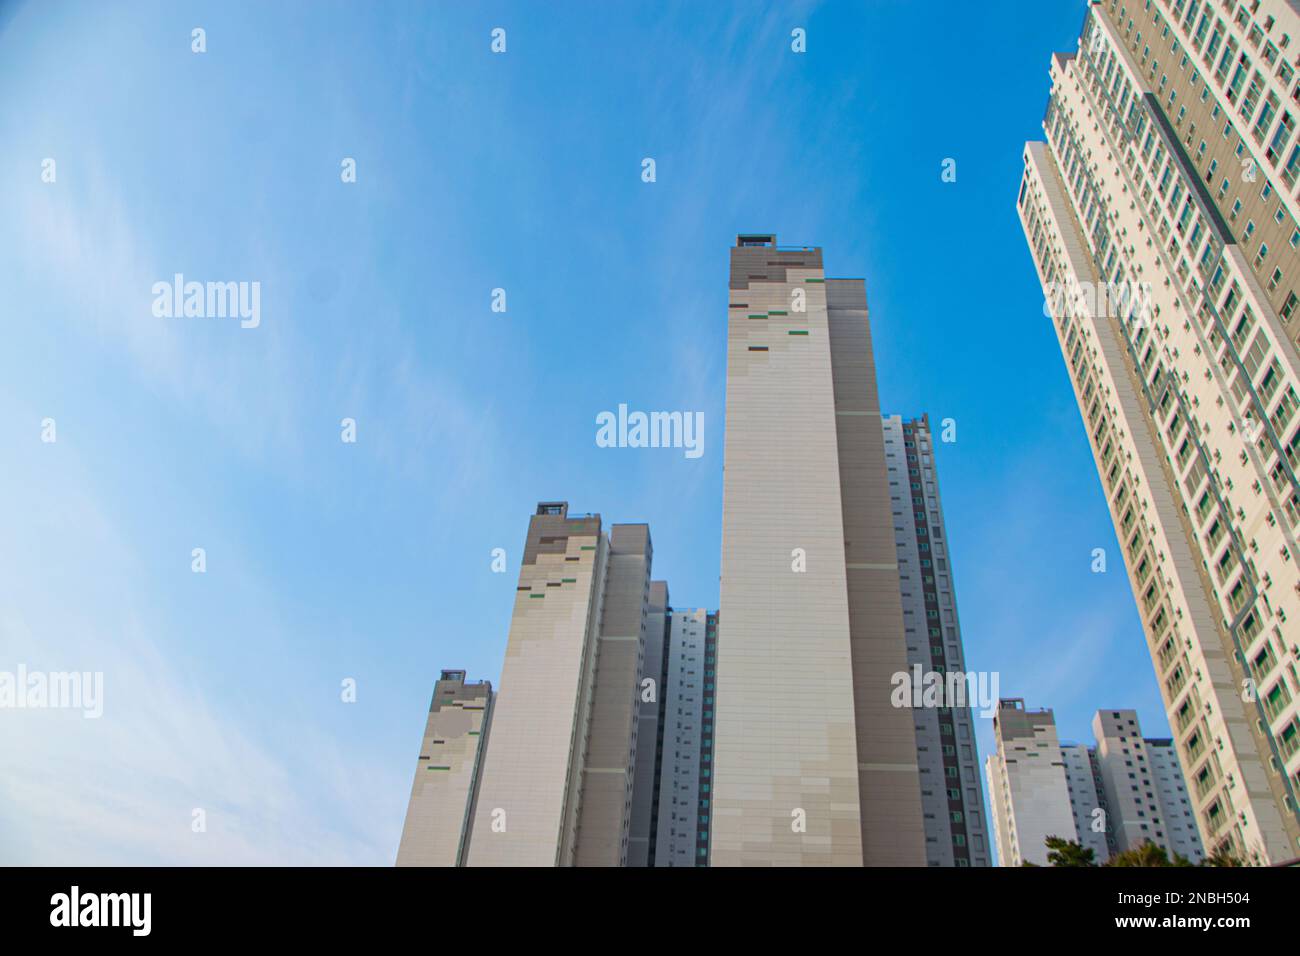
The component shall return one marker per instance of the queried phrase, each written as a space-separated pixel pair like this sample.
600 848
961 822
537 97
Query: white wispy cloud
122 788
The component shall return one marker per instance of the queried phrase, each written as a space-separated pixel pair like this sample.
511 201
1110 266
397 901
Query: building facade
1028 789
1111 797
1161 212
602 733
1087 803
704 829
1142 788
649 752
812 764
952 801
1171 786
443 794
557 782
685 770
613 733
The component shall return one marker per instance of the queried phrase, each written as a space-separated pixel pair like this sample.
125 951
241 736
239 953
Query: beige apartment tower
812 766
557 782
1162 213
1029 789
438 817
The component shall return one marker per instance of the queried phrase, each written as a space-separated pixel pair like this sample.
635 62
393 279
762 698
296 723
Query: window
1289 307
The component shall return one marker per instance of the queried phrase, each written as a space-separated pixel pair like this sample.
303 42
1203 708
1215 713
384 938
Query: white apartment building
681 780
1027 785
1162 213
1087 806
1142 788
952 800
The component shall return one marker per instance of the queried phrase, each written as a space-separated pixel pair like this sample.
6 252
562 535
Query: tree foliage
1062 852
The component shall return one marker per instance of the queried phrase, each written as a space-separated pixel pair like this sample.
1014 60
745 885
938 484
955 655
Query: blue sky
475 171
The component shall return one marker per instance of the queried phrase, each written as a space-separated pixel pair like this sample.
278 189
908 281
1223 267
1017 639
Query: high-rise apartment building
612 737
1112 797
1028 790
708 713
686 764
683 712
952 803
1084 785
649 751
1184 836
557 781
812 764
1142 788
1162 213
438 817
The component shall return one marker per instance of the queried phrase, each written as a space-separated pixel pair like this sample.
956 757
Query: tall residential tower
441 809
649 749
1028 788
1162 213
557 782
686 751
956 832
1142 788
812 763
